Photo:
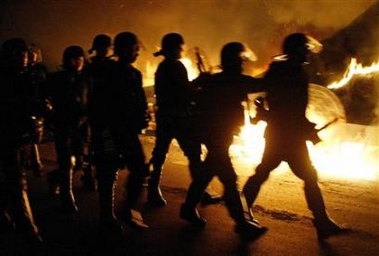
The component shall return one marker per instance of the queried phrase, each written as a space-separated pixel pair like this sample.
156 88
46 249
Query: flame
350 157
150 71
149 74
191 69
343 159
354 68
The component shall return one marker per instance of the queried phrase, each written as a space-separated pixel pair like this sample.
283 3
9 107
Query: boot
191 215
53 181
328 228
6 223
210 197
23 217
35 160
87 178
134 219
324 225
106 201
110 230
68 205
154 196
249 229
244 226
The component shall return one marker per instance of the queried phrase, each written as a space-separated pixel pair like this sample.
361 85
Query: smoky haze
208 24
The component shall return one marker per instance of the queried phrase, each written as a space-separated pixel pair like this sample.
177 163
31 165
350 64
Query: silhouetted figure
18 109
99 66
69 95
286 85
38 73
220 115
118 113
174 119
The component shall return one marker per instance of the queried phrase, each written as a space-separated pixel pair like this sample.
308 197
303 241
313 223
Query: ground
280 207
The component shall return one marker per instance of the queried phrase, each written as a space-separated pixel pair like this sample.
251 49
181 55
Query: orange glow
347 151
353 155
191 69
354 69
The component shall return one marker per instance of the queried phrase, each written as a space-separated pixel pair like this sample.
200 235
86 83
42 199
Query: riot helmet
15 52
234 54
126 46
71 55
296 42
101 42
170 42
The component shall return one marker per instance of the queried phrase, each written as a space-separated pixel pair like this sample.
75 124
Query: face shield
248 54
313 45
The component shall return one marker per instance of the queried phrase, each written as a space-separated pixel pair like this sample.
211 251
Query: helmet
124 39
101 41
12 46
232 54
296 41
70 52
170 42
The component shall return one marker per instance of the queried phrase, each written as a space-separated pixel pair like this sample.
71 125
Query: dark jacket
18 104
69 96
287 97
219 104
172 88
127 99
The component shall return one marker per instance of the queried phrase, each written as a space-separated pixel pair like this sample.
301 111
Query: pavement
288 233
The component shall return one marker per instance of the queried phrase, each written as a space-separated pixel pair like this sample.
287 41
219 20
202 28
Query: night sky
209 24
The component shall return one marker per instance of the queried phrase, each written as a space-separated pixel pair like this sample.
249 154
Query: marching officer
219 117
286 85
69 97
18 109
116 124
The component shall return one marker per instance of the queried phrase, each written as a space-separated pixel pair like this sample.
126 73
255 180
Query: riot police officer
116 124
69 96
286 85
174 119
219 117
18 106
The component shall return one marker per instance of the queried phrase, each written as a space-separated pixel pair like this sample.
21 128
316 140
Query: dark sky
209 24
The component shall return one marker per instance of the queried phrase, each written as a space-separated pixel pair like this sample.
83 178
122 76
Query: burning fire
342 158
348 157
354 68
353 156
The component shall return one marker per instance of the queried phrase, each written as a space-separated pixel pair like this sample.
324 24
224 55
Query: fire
150 71
191 69
347 151
344 157
354 68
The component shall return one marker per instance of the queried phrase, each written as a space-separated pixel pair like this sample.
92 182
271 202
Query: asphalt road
280 207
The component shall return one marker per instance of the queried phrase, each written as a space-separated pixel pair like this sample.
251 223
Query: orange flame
343 159
354 69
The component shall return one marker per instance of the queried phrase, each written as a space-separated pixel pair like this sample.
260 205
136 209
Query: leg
35 160
18 201
135 162
251 189
65 171
105 162
107 178
191 147
302 167
226 174
164 137
195 192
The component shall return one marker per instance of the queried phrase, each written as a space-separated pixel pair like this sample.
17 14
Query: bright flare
354 69
351 152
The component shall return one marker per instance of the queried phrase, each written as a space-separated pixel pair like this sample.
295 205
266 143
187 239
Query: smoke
208 24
